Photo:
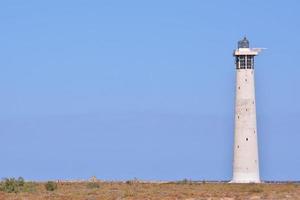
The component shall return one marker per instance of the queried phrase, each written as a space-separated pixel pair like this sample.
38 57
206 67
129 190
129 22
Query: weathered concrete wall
246 161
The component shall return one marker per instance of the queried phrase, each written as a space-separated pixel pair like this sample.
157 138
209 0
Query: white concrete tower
246 160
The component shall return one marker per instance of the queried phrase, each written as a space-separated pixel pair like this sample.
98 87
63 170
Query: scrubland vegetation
18 189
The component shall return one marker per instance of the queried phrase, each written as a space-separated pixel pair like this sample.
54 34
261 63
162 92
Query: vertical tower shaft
246 160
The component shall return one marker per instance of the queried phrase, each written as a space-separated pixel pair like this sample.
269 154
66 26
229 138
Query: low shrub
132 182
92 185
184 181
50 186
29 187
11 185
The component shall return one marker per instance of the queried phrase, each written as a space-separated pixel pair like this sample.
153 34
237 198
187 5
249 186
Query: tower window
249 62
246 139
242 61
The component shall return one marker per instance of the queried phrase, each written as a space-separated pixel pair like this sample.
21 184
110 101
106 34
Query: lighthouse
246 159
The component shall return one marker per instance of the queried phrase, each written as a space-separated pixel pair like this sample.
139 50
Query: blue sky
124 89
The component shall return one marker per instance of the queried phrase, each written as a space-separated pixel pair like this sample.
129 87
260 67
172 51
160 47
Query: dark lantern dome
244 43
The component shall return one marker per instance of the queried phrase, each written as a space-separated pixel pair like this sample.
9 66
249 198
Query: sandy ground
157 191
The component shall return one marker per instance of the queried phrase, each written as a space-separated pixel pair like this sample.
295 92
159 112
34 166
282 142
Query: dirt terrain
132 190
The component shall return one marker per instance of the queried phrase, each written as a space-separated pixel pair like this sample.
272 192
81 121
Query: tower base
245 178
245 181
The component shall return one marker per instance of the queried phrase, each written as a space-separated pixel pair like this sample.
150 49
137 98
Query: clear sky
124 89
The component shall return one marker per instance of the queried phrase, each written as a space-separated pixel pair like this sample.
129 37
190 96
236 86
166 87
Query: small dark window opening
238 116
246 80
246 109
246 139
238 146
239 87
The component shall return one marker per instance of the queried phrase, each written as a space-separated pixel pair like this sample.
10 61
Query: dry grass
155 191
